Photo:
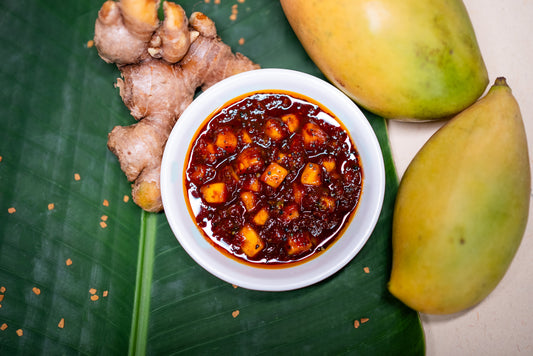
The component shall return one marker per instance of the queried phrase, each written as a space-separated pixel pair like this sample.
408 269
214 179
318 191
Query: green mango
462 208
408 60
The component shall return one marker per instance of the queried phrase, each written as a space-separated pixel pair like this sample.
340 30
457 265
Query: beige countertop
503 323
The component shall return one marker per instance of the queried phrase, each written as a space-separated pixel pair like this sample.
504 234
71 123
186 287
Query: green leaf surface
130 287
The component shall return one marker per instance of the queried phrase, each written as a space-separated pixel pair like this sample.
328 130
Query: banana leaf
84 271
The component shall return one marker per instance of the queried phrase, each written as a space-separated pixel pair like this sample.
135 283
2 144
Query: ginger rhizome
162 64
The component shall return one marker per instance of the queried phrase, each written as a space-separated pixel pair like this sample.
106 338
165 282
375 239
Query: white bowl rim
336 256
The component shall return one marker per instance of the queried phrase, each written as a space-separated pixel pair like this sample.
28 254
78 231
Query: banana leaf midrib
145 263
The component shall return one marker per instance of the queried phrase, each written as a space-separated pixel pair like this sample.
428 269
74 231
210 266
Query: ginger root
162 64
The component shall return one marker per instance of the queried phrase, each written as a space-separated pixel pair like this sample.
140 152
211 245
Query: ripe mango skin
408 60
462 208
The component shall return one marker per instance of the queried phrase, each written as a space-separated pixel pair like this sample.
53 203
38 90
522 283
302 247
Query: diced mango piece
245 137
226 140
252 242
249 160
252 183
311 174
327 203
280 157
274 175
313 135
292 122
214 192
298 243
290 212
248 199
329 164
207 151
274 129
261 217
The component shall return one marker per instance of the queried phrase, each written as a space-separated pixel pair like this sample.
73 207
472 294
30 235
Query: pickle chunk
274 175
252 242
214 192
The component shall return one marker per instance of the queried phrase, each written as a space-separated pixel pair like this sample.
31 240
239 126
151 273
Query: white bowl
336 255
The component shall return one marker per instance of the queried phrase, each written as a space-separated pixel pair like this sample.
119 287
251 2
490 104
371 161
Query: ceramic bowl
337 255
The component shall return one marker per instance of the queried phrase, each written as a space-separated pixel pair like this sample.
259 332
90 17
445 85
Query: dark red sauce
272 178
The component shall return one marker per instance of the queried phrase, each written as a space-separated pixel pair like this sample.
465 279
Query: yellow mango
462 208
405 60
